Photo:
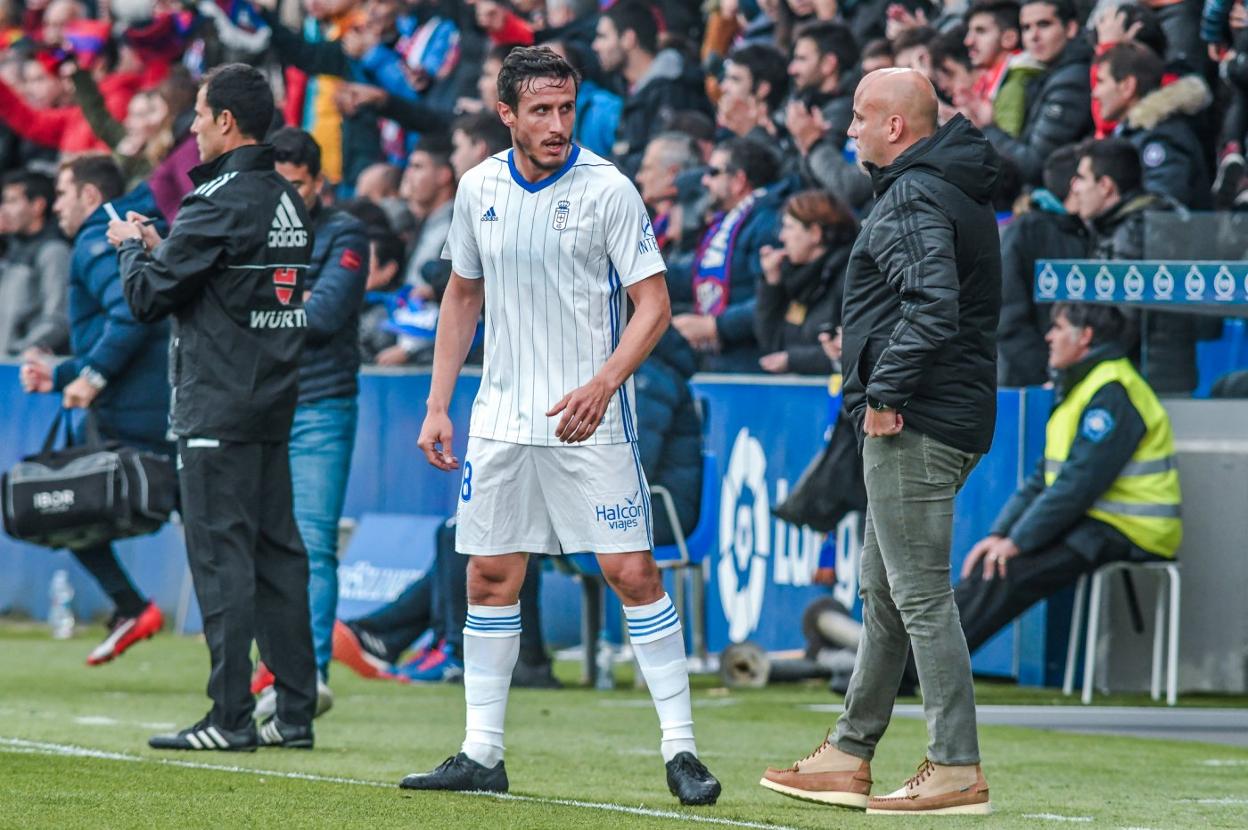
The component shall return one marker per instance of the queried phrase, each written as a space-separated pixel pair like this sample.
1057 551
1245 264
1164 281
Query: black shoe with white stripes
204 736
275 733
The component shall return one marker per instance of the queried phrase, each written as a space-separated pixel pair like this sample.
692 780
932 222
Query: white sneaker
266 701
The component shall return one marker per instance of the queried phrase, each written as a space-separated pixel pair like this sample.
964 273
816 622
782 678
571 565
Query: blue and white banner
1153 282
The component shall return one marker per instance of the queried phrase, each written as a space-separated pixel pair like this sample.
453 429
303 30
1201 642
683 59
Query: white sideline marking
1056 817
1225 762
634 811
100 720
1235 801
21 746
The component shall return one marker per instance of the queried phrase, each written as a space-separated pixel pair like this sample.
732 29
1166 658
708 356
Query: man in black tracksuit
231 275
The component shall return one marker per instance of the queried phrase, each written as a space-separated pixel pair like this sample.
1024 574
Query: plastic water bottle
60 612
604 661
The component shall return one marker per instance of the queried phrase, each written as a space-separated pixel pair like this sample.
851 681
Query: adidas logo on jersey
287 231
489 215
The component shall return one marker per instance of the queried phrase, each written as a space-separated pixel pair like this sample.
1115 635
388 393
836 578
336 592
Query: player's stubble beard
537 160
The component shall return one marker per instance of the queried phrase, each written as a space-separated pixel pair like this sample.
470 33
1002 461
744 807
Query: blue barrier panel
389 473
763 432
763 435
388 552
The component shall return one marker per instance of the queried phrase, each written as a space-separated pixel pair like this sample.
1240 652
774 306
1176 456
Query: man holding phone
231 274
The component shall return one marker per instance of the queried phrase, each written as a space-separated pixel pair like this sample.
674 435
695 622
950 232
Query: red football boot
125 632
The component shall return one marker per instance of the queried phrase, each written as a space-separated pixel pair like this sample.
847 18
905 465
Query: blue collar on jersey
533 187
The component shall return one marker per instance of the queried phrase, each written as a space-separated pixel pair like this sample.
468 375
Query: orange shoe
935 790
125 632
826 776
352 650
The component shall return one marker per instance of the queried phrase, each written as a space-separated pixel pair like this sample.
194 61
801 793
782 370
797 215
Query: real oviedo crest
561 214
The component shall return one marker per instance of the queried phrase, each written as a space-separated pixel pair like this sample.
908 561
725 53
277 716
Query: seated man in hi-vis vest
1106 490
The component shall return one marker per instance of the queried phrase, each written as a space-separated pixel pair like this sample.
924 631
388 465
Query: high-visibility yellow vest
1143 503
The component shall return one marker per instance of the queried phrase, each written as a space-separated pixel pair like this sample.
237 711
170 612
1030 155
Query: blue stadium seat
692 548
1214 358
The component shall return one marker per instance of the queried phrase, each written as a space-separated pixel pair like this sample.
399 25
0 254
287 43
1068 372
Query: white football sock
491 646
659 646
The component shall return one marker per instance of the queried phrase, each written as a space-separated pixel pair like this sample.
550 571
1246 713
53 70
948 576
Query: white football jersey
556 257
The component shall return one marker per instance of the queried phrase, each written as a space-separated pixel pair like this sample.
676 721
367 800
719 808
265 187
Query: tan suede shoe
938 790
827 776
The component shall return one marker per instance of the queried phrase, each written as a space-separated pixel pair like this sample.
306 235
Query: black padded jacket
923 291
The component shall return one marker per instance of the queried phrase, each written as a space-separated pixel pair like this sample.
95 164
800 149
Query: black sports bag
82 496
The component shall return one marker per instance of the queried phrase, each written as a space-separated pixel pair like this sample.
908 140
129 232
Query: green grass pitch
576 757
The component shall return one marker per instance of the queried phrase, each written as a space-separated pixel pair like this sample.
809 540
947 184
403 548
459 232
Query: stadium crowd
730 115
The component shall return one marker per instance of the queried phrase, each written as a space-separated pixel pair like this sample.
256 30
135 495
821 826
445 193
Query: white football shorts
518 498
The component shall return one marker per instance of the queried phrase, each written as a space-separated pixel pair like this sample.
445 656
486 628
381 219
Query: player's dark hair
99 171
1106 322
1059 168
759 163
1134 60
34 186
832 38
1004 13
527 64
244 91
640 19
1116 158
766 64
292 145
485 128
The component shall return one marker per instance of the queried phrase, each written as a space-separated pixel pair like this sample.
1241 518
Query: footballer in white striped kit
552 241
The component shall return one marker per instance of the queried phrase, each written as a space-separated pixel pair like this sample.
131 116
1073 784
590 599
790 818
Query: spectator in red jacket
501 23
49 124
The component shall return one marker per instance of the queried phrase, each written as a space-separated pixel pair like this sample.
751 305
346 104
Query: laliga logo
1133 282
744 536
1076 283
1163 283
1224 284
1194 283
1047 281
1104 284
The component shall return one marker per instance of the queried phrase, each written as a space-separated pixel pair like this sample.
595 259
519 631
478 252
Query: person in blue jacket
119 369
323 434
